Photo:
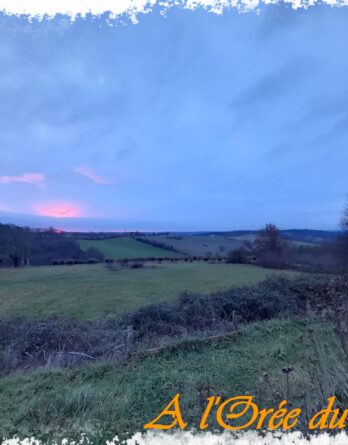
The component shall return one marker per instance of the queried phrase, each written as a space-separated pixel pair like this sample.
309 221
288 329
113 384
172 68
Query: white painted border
227 438
39 9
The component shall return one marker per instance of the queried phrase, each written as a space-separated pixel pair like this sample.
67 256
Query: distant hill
220 243
305 235
195 243
310 235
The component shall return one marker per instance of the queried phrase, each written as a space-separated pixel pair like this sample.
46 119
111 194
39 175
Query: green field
92 291
124 397
201 245
125 247
215 244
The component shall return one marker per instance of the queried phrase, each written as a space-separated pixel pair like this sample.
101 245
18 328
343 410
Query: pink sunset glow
4 208
27 178
90 174
59 210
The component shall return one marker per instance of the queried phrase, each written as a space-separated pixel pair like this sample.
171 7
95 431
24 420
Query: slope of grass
216 244
93 291
125 247
200 245
123 398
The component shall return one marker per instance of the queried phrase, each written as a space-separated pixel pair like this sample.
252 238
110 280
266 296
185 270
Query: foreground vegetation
107 400
113 389
92 291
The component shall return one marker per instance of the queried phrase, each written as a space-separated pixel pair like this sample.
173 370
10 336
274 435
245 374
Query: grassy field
125 397
125 247
92 291
201 245
216 244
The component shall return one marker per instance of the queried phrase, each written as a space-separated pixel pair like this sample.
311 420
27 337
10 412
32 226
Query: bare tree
269 247
14 244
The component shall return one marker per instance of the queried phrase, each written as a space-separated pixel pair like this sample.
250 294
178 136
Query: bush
93 261
32 343
238 256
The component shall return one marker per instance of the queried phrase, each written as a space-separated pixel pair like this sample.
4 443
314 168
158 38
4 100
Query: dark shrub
238 256
93 261
31 343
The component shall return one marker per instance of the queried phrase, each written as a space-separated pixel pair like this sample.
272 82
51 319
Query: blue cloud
198 121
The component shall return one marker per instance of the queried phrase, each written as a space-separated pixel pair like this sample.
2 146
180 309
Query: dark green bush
237 256
93 261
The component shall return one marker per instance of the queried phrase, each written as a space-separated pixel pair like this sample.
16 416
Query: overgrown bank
105 400
27 343
61 378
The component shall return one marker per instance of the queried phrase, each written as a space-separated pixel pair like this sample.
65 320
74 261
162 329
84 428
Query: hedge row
25 342
191 259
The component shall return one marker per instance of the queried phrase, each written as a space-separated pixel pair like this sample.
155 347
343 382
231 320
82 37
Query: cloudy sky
187 122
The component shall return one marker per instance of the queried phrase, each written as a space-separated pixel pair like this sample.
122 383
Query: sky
192 121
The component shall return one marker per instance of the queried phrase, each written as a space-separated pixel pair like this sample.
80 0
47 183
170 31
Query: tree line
22 246
271 250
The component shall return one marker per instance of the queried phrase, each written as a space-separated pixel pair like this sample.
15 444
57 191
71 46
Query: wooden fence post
129 339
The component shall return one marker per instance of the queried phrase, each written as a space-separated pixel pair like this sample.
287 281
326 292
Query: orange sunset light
59 210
